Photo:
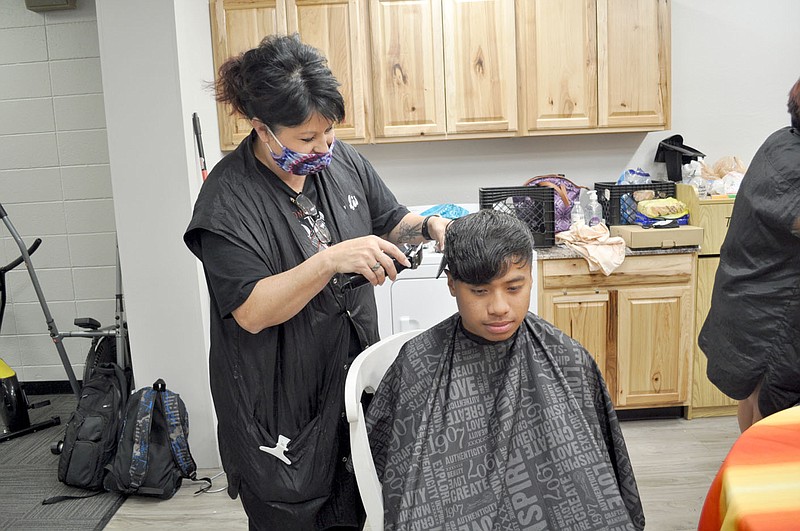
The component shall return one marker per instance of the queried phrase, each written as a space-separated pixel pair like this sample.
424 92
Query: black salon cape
752 331
288 379
514 435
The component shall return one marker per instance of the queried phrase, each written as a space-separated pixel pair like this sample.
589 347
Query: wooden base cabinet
638 323
707 400
654 345
713 215
586 317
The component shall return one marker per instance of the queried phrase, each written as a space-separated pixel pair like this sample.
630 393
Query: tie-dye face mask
301 163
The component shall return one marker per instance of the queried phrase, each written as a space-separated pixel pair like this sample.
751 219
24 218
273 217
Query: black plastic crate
619 206
531 204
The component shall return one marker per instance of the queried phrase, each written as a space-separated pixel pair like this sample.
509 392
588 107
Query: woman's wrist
425 230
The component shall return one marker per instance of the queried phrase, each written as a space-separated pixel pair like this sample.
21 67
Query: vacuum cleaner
14 404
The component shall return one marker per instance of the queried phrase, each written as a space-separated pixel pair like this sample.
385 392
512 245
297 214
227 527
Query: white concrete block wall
55 182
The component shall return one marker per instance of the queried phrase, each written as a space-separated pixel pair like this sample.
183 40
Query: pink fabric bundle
601 250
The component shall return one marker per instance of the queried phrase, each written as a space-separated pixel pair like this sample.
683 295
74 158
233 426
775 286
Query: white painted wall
156 56
55 183
733 62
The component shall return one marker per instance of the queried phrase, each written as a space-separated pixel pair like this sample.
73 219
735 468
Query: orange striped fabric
757 487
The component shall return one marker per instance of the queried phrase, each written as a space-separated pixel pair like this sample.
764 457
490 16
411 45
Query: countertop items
559 252
637 237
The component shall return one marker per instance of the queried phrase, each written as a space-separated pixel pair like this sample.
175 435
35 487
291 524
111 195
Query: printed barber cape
467 434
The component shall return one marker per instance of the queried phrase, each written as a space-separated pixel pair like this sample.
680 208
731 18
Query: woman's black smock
288 379
752 332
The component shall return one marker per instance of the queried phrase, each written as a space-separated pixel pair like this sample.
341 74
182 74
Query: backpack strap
141 437
56 499
123 384
178 433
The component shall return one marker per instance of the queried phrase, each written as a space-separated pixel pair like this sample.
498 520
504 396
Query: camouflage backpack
153 452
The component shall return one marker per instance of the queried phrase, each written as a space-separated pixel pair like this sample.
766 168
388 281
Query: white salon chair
365 374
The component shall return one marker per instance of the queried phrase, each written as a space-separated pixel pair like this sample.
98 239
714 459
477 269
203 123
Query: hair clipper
412 252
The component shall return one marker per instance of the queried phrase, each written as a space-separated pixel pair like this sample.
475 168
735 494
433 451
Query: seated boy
494 419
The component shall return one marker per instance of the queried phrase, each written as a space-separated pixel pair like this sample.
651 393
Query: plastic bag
722 167
729 184
637 176
692 170
645 221
446 210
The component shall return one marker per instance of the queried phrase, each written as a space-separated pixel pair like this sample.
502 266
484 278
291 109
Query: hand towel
601 250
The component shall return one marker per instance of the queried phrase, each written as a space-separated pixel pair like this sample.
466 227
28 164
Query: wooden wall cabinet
407 68
638 323
335 27
594 64
237 26
437 69
713 215
633 58
443 67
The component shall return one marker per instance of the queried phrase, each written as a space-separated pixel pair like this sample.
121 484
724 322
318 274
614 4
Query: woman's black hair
482 246
282 82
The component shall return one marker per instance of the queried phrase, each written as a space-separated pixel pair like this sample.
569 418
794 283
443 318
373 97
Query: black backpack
92 432
153 452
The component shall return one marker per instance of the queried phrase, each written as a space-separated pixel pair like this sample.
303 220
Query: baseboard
54 387
650 413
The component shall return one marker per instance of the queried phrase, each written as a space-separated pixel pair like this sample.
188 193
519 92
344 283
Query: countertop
559 252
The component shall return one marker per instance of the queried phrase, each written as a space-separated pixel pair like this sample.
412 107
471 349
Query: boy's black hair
482 246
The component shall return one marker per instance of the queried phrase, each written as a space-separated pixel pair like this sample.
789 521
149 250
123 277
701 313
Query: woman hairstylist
277 223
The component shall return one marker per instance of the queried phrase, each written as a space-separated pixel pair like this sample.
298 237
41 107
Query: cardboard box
637 237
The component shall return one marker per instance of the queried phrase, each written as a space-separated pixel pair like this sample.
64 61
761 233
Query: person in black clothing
277 224
751 336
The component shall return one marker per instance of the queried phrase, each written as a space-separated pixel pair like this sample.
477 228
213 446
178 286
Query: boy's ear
450 283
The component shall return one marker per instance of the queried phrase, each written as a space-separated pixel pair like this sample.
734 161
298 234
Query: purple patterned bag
566 193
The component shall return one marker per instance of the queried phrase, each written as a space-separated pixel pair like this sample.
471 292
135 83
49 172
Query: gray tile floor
674 461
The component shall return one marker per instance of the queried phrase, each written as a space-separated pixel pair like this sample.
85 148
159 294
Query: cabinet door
704 393
480 65
237 26
715 219
336 28
655 338
633 62
558 63
408 84
586 318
